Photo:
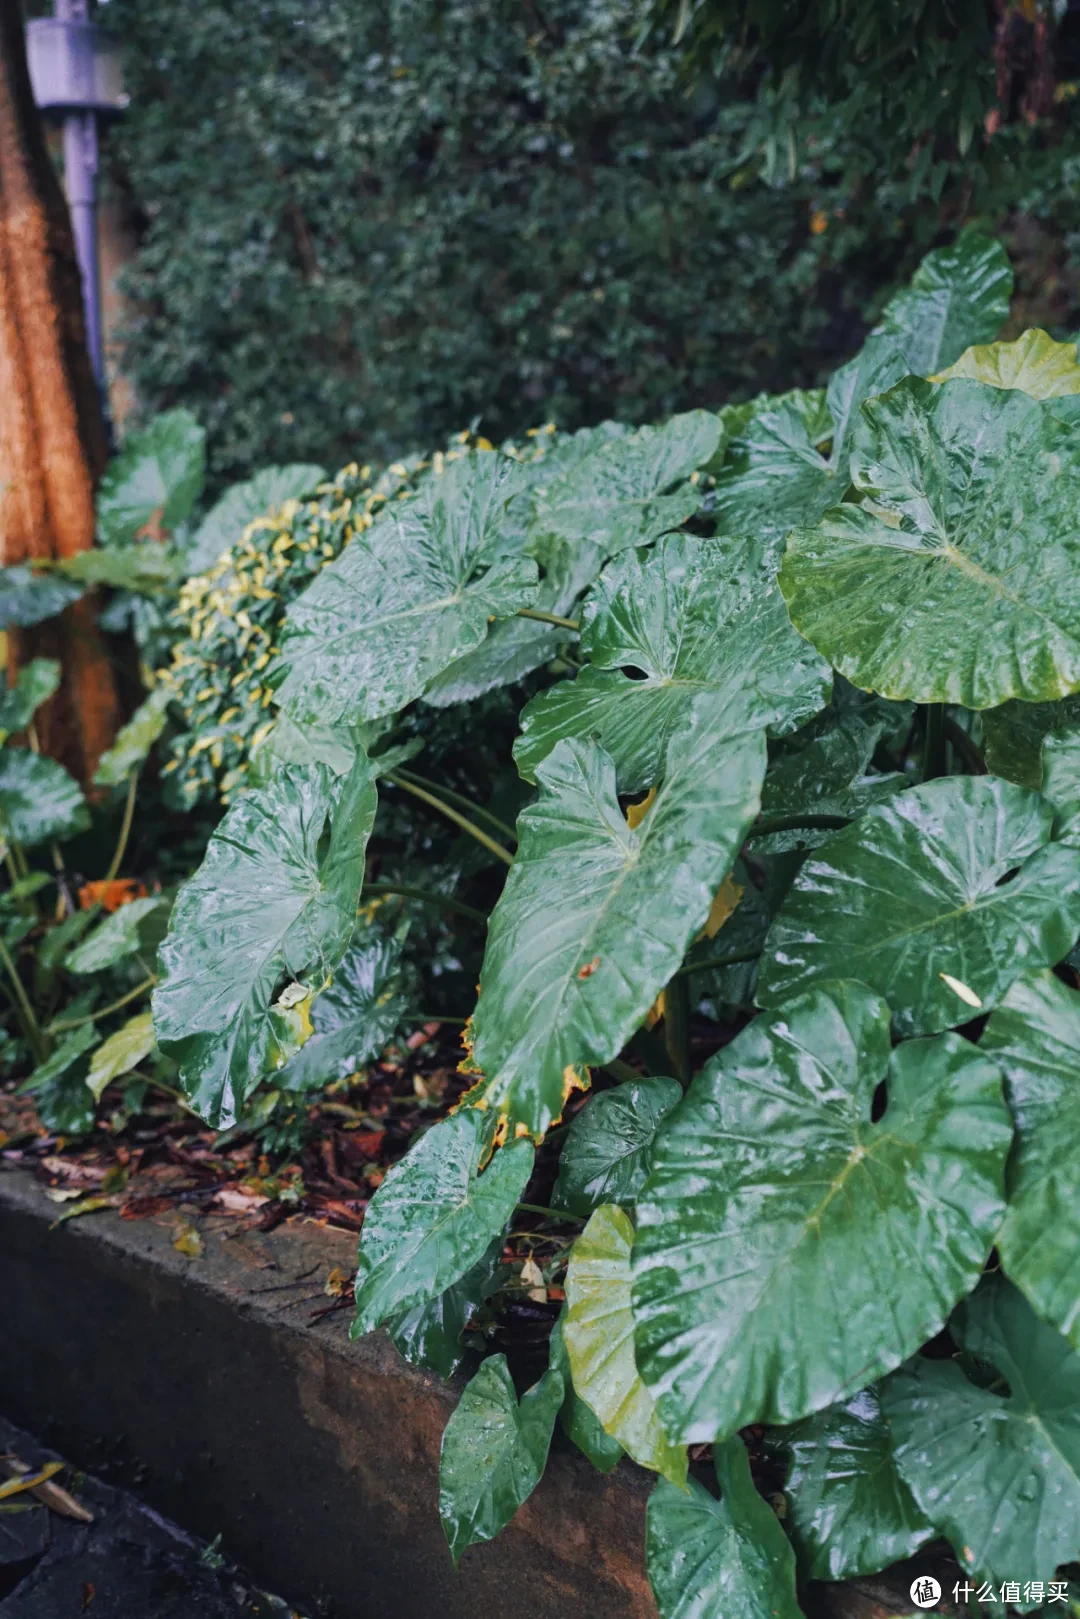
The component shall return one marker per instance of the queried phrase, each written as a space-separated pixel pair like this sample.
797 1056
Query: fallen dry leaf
187 1241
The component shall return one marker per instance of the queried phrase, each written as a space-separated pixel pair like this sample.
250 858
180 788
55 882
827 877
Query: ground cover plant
774 911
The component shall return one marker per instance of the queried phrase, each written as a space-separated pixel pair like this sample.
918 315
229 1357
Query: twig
549 618
453 815
461 801
125 827
103 1011
430 895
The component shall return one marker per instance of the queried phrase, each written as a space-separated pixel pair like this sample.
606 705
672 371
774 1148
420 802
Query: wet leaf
599 1335
406 598
595 916
998 1473
606 1155
355 1018
493 1452
922 886
691 616
850 1511
1014 736
957 297
949 579
1061 783
1035 1036
618 496
39 801
265 907
709 1557
34 684
113 939
789 1250
430 1334
155 480
581 1424
434 1217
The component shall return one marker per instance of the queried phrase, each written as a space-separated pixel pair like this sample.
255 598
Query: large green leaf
434 1217
134 740
824 771
616 497
406 598
605 1158
952 880
1061 783
777 471
596 916
999 1473
1014 735
1034 363
115 937
354 1018
958 296
429 1334
578 1421
38 799
493 1452
34 684
850 1512
954 581
27 597
61 1096
788 1249
709 1558
1035 1036
690 616
599 1336
264 907
156 478
260 496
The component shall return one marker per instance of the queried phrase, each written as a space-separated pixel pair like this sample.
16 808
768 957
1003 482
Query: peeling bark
52 436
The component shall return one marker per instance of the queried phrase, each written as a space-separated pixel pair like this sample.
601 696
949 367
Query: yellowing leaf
636 813
968 996
724 905
599 1337
1034 363
187 1241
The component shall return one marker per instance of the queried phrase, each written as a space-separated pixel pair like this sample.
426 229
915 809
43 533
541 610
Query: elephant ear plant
779 997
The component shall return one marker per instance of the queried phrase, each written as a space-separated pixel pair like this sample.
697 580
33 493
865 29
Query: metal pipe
80 184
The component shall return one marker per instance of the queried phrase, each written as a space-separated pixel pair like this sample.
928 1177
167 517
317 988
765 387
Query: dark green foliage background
364 224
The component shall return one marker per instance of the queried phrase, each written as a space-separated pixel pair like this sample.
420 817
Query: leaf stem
958 737
125 827
453 815
934 761
733 959
430 896
461 801
32 1026
794 823
677 1027
551 1214
113 1006
437 1017
549 618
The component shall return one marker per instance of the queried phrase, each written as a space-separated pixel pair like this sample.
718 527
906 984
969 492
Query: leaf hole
1007 877
880 1103
633 674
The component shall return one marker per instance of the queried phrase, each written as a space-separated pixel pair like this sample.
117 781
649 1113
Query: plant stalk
551 1214
795 823
965 747
462 802
430 896
114 1006
26 1011
734 958
549 618
677 1027
934 763
454 815
125 828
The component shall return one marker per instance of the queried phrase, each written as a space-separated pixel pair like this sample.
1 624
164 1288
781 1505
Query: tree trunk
52 436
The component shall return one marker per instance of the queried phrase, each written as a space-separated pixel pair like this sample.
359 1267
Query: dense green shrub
802 801
362 225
